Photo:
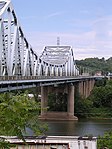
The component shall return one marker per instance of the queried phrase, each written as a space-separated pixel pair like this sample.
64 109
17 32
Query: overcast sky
86 25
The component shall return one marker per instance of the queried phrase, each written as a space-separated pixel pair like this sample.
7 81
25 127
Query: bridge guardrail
6 78
14 78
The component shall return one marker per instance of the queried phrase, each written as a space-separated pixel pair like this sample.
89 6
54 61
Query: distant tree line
95 64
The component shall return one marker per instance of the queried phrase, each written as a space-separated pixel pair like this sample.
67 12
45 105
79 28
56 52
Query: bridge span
21 67
15 83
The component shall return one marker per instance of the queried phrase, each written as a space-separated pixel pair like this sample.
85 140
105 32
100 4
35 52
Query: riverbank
99 113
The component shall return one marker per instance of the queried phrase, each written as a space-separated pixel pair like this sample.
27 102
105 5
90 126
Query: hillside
95 64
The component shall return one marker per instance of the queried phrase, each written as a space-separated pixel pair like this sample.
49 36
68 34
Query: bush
105 141
82 107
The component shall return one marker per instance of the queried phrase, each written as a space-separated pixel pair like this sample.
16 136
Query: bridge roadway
9 83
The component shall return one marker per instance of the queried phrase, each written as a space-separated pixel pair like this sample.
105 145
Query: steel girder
16 54
59 60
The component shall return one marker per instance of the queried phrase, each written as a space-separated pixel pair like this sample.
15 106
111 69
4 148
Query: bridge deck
16 83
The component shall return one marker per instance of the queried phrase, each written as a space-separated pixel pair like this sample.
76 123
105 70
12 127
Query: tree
105 141
5 144
82 106
18 112
57 102
102 95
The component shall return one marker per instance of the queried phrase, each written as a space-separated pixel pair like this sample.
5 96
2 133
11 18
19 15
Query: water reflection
81 128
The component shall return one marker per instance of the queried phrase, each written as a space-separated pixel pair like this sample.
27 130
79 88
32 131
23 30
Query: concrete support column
71 100
92 82
88 92
81 88
44 99
89 87
89 84
84 88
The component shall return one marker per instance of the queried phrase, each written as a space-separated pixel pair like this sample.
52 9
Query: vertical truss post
4 69
46 70
32 63
1 46
57 71
9 42
29 63
25 63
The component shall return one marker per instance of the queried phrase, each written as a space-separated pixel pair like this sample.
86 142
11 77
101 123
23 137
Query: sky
86 25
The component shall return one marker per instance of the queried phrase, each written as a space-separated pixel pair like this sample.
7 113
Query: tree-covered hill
96 64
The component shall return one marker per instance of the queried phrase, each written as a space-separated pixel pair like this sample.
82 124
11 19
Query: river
81 127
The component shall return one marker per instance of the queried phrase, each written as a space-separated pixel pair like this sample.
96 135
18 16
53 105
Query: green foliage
98 104
100 112
82 107
102 96
101 82
18 112
97 96
5 144
57 102
105 141
109 82
96 64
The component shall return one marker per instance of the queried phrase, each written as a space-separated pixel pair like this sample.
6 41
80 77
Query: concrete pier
84 88
67 115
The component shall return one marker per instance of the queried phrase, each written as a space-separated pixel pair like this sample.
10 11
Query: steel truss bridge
19 63
17 57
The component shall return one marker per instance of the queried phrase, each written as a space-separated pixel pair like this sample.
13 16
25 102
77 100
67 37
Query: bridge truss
17 58
58 61
16 54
